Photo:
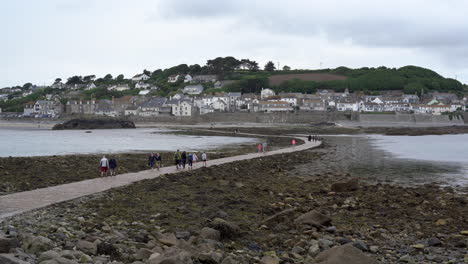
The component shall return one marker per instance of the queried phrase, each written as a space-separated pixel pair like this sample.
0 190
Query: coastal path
17 203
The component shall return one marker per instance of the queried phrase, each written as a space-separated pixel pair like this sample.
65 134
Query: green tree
120 77
270 66
74 80
286 68
108 76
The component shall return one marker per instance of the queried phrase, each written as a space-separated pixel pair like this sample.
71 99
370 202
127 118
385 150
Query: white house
140 77
193 89
90 86
219 105
289 99
347 106
188 78
173 78
142 85
144 92
266 93
182 108
119 88
274 106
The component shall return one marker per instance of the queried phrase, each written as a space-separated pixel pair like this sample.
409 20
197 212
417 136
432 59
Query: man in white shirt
104 164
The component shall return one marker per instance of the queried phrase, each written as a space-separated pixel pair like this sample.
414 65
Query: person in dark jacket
112 166
184 159
158 160
152 160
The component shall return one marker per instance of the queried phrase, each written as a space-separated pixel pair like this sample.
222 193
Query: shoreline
422 224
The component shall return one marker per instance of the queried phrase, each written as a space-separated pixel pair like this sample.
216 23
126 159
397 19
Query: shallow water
20 143
404 160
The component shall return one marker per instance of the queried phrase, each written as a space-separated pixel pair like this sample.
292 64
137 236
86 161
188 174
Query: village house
140 77
204 78
234 101
313 105
142 85
410 99
194 89
85 107
274 106
144 92
265 93
42 108
105 108
154 107
173 78
131 110
90 86
181 107
119 88
188 78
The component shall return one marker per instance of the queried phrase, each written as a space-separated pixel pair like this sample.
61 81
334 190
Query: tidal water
407 160
21 143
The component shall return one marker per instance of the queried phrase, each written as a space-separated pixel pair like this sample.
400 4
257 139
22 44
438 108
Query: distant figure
152 160
190 160
310 138
194 158
112 166
264 147
158 160
293 142
177 158
260 148
104 164
204 158
184 159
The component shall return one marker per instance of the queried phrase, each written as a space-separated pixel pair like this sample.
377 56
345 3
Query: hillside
278 79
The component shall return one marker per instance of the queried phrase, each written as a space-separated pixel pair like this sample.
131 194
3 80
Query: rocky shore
266 210
94 124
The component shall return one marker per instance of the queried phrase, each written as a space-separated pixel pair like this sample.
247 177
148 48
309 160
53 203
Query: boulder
269 260
168 239
8 243
172 256
229 260
48 255
210 257
346 186
11 259
36 244
143 254
227 229
94 124
314 248
313 218
87 247
344 254
210 233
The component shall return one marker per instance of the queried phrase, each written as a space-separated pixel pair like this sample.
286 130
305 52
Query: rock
87 247
85 259
229 260
434 242
154 256
325 243
374 249
94 124
182 235
210 233
297 250
143 254
36 244
343 240
11 259
59 260
8 243
313 218
344 254
173 256
227 229
348 186
269 260
331 229
108 249
168 239
210 257
314 248
464 232
361 245
441 222
406 258
48 255
418 246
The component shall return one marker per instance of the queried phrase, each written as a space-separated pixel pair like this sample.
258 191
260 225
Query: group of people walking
313 138
262 147
182 159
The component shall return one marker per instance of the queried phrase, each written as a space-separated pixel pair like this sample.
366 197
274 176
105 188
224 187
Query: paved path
21 202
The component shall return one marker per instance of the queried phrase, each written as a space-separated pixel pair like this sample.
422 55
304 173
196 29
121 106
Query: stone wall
408 119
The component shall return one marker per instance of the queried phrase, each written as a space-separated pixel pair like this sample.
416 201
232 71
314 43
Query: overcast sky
46 39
